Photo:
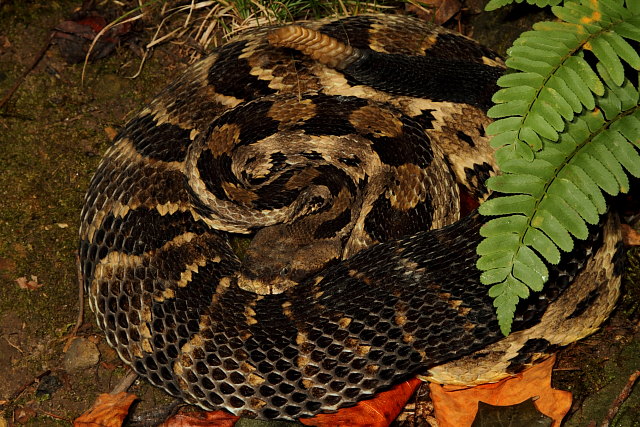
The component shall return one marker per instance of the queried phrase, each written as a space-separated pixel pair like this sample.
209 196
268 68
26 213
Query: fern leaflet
555 80
567 133
496 4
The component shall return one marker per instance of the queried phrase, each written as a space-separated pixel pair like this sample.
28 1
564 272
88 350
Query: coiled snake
340 144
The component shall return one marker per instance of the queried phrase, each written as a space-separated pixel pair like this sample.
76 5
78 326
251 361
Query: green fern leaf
566 133
577 86
586 74
518 184
504 225
539 119
566 216
563 94
584 182
553 69
599 149
629 127
509 205
624 152
537 167
596 170
578 200
504 125
629 29
505 300
541 68
633 6
545 221
608 57
623 49
553 197
520 79
539 241
614 8
497 4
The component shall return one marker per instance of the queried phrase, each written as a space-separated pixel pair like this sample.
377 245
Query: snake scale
344 147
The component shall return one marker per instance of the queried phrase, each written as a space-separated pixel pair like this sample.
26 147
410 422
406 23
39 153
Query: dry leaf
111 132
75 35
24 415
201 419
110 410
630 237
32 284
438 11
457 407
377 412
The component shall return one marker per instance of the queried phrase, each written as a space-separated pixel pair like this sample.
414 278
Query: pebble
48 385
82 354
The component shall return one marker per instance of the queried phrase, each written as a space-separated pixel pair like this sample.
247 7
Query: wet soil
52 134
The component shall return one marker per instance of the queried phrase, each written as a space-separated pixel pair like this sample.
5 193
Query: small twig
80 318
13 345
119 21
52 415
624 394
19 391
125 383
26 72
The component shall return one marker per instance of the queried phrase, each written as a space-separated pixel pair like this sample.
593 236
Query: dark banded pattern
360 273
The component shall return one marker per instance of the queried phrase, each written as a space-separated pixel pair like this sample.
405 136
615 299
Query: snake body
344 147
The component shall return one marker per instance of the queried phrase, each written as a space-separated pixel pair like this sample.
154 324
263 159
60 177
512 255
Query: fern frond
554 81
551 198
496 4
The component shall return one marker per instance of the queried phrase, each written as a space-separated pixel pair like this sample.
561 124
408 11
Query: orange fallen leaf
457 407
201 419
379 411
32 284
111 132
109 410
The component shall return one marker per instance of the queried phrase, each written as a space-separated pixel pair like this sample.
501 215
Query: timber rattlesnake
346 147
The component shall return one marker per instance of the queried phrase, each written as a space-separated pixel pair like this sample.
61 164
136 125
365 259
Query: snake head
279 258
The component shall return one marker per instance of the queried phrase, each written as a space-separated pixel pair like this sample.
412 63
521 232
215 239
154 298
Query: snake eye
285 271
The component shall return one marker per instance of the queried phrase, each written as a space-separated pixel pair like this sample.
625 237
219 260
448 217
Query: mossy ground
52 134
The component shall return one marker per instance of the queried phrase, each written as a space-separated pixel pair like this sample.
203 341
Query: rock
82 354
48 385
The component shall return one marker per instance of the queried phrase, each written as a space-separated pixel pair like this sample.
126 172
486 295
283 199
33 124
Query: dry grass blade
100 34
201 25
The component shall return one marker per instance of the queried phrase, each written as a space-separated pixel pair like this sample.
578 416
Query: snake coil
344 147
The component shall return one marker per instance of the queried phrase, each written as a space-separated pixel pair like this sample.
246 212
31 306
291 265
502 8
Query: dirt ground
52 134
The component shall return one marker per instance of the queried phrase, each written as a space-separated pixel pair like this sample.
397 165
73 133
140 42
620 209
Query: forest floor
52 133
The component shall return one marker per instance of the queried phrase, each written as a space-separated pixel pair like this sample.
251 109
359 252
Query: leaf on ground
456 406
111 133
30 285
109 410
74 36
630 237
24 414
438 11
379 411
